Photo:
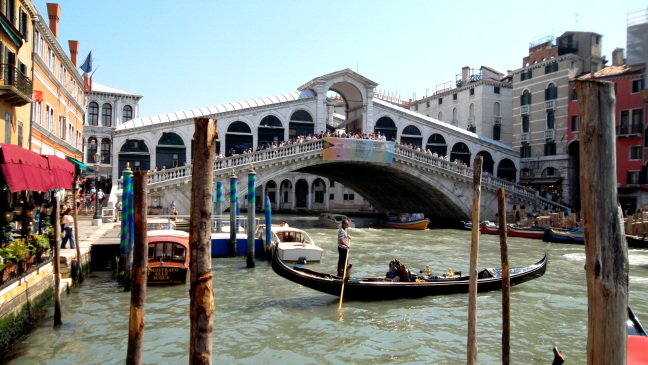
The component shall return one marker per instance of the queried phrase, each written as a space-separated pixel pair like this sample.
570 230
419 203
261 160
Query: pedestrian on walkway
68 222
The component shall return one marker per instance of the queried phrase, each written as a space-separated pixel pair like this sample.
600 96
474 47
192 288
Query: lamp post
96 219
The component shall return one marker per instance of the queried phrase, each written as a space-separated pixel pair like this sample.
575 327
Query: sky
193 54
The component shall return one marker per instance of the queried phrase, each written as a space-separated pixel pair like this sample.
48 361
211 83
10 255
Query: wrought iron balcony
15 87
550 104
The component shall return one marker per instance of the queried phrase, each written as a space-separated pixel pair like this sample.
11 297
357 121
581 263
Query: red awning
24 169
62 172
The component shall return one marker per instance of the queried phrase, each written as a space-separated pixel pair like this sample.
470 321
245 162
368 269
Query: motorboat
160 224
415 221
168 257
292 244
332 220
380 288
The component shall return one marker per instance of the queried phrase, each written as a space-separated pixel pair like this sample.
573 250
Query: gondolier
344 243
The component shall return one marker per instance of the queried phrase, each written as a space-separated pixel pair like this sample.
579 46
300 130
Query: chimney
74 51
465 75
617 57
54 12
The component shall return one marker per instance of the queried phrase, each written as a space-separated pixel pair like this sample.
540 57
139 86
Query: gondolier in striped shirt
344 243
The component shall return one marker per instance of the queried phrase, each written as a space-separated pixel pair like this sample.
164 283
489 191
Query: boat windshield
293 236
166 252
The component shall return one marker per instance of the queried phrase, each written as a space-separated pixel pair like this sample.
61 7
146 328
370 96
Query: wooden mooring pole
56 222
606 250
75 196
506 279
138 273
201 293
474 253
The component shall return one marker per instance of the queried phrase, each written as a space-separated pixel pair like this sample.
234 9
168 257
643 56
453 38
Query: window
331 183
454 96
550 120
496 89
22 24
127 113
92 149
93 113
637 118
331 196
595 66
106 115
497 132
574 123
454 115
7 127
105 151
319 196
637 85
61 127
633 177
37 112
525 124
472 128
574 95
472 91
635 152
551 68
20 133
525 151
525 98
551 92
440 101
527 75
471 110
346 197
550 149
550 172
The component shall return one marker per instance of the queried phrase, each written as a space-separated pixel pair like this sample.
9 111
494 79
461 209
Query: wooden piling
75 196
201 293
474 252
606 251
56 222
138 273
506 280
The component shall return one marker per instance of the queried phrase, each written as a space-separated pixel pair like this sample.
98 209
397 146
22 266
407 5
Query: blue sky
193 54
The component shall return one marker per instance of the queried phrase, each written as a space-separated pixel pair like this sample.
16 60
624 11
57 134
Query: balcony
629 130
550 134
550 105
525 109
15 87
524 137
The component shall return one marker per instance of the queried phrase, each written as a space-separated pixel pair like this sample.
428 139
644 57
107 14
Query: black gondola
378 288
636 241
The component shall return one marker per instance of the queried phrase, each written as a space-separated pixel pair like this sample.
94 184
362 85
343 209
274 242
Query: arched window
440 118
106 115
551 92
472 110
525 98
127 113
93 113
550 120
92 150
105 151
454 115
496 109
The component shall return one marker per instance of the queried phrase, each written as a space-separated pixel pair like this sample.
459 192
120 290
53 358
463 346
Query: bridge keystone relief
293 172
393 178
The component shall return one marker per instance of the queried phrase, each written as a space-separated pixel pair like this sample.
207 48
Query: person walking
344 243
68 222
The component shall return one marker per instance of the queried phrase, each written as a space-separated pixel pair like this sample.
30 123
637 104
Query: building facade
59 110
16 44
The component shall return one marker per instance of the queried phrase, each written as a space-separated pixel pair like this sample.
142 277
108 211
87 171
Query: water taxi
292 244
406 221
168 257
332 220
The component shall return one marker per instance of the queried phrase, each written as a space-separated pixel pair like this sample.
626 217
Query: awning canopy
81 165
23 169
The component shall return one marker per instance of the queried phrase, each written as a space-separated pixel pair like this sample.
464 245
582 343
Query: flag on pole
87 64
86 67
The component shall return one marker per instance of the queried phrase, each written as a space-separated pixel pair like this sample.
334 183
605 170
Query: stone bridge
413 182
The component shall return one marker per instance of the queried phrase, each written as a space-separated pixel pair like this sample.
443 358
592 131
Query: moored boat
379 288
636 241
488 227
637 341
406 221
168 257
571 236
526 232
332 220
160 224
292 244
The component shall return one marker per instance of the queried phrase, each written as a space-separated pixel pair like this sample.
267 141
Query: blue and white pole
232 240
251 226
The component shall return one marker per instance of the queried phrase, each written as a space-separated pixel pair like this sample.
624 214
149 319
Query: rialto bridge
414 182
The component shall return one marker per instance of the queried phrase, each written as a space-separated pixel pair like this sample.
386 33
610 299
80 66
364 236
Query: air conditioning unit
550 134
524 137
525 109
550 104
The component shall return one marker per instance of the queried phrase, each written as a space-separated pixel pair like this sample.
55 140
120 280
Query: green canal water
262 318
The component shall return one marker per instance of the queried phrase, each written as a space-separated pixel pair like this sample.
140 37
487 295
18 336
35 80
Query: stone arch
300 124
386 126
238 138
461 153
270 130
436 143
411 134
354 100
136 153
285 194
318 188
488 164
170 151
301 194
506 170
271 190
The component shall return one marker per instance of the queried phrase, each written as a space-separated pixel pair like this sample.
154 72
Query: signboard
349 149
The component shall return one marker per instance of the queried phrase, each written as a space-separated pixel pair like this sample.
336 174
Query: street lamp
97 217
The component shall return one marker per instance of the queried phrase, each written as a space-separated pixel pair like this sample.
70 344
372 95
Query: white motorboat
293 244
332 220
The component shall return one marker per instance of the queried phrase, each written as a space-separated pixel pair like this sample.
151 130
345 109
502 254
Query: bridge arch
507 170
170 150
270 130
386 126
318 192
437 143
136 153
238 138
412 134
300 123
460 152
488 164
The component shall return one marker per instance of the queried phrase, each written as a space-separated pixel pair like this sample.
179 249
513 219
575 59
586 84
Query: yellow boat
406 221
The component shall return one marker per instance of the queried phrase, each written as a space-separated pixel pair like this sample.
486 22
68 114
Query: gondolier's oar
346 265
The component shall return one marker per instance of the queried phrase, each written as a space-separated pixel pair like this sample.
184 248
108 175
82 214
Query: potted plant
19 251
9 265
41 244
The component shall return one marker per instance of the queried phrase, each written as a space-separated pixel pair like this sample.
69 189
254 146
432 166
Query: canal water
263 318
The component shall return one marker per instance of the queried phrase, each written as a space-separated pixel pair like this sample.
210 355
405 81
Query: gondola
573 236
379 289
636 241
637 340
